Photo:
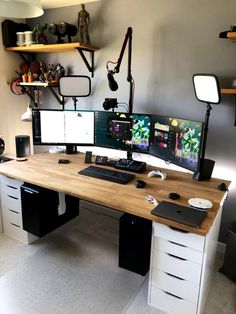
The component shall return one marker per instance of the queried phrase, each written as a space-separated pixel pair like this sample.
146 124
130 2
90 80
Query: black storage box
40 209
9 29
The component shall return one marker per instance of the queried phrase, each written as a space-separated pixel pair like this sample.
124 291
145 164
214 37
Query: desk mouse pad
185 215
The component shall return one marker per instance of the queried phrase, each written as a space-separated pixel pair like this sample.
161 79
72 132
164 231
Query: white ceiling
50 4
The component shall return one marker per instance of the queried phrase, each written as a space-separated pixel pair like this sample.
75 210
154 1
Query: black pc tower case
135 243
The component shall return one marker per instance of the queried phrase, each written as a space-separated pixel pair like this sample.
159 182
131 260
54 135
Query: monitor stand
71 149
129 155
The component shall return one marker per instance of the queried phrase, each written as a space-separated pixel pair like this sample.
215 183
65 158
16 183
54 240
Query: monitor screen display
177 141
123 131
63 127
141 124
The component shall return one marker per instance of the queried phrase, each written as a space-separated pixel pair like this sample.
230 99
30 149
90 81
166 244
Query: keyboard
107 174
130 165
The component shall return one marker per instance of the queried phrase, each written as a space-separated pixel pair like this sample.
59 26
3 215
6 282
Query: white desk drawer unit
11 209
175 270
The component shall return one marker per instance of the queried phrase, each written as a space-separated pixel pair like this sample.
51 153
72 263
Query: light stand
206 128
206 87
74 86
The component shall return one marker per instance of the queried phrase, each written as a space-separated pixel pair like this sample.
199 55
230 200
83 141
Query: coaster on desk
200 203
21 158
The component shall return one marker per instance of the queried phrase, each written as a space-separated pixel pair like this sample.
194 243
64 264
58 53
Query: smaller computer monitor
69 127
177 141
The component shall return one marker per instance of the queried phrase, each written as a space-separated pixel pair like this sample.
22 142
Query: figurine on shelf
50 75
59 71
83 22
54 72
38 31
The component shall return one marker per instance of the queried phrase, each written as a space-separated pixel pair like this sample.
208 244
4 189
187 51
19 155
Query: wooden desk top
44 170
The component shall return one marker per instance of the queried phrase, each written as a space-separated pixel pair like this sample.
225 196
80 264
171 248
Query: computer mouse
174 196
222 187
140 184
63 161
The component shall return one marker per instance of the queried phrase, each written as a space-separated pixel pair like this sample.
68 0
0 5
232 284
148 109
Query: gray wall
172 40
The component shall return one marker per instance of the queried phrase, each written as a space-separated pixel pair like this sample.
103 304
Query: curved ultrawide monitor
177 141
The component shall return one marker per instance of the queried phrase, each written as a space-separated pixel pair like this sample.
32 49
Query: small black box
22 146
9 29
205 170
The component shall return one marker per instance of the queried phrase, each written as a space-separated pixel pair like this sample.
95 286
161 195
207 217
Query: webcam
110 103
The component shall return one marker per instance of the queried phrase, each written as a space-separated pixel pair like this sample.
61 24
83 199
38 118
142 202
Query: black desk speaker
205 170
22 146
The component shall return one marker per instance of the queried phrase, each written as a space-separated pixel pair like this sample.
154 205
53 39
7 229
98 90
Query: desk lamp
20 8
27 115
207 90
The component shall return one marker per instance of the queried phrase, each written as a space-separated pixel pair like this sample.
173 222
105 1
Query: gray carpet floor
75 270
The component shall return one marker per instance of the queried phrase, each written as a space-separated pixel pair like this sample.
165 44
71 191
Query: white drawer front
14 231
192 240
178 267
12 182
177 249
14 218
11 202
170 303
12 190
182 288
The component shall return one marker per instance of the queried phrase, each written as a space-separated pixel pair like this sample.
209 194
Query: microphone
111 81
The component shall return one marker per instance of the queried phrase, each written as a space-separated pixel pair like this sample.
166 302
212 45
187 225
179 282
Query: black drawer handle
173 295
177 243
177 229
174 276
181 258
13 211
11 187
15 198
15 225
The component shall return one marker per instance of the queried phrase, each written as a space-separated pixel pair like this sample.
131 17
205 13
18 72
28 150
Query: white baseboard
221 247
